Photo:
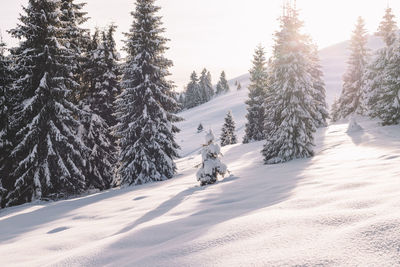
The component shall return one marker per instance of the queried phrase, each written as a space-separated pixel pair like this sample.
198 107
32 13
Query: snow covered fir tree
6 107
352 98
50 155
193 95
198 91
211 165
290 128
222 85
382 87
228 135
146 106
318 92
255 103
205 85
102 75
200 128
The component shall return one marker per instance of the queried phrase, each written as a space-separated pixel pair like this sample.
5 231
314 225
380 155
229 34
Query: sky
222 34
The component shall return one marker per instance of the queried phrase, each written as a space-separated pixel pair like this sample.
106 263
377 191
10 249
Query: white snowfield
339 208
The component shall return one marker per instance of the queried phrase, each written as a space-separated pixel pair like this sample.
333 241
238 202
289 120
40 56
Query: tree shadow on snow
235 196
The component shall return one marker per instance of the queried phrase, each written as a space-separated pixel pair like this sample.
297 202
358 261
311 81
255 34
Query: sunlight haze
221 35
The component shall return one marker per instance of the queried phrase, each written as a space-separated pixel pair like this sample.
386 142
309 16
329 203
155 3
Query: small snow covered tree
291 125
49 153
194 96
383 75
334 110
205 85
255 103
146 107
239 87
200 128
228 136
352 97
211 165
222 85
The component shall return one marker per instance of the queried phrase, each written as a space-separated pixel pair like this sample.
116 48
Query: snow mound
353 126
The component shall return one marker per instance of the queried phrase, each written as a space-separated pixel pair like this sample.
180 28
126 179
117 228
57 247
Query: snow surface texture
339 208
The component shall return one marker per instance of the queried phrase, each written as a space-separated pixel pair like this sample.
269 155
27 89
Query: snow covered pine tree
228 136
255 103
49 153
211 165
222 85
97 101
292 107
6 106
383 75
146 106
200 128
352 97
205 84
193 96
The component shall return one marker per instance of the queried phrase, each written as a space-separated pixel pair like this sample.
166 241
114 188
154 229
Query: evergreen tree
228 136
200 128
194 96
334 110
6 107
239 87
146 107
211 165
352 97
75 38
255 103
222 85
383 75
205 85
49 153
291 125
318 92
388 27
98 103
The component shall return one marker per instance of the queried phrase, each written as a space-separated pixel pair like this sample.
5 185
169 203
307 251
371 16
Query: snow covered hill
339 208
333 61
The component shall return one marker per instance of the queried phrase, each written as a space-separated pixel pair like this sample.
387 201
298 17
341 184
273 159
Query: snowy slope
333 62
340 208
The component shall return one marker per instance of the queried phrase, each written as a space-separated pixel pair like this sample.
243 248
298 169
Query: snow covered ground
339 208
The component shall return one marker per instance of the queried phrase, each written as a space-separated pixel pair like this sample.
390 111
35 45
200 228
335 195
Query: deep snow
339 208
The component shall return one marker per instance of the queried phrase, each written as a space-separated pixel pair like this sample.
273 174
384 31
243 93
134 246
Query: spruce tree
383 75
75 38
239 87
49 153
228 136
222 85
200 128
318 92
146 106
6 108
98 103
352 97
255 103
334 110
211 166
291 126
205 85
194 96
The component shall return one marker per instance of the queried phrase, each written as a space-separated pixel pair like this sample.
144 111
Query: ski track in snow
339 208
